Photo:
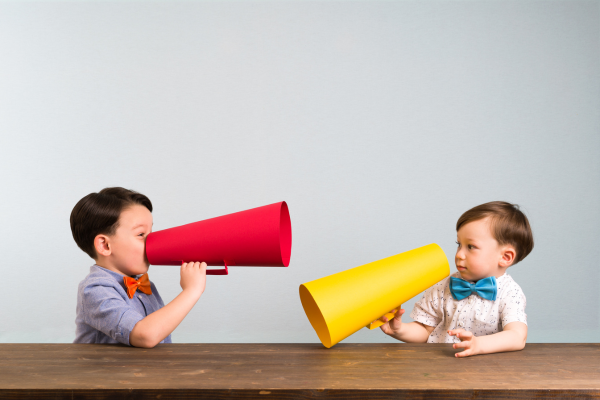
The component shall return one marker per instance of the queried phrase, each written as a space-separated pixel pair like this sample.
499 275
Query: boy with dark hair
116 302
480 308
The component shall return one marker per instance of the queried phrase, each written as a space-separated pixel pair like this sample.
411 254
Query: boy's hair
509 225
98 213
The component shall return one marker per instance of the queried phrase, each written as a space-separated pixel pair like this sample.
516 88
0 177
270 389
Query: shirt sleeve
161 304
105 310
428 310
512 307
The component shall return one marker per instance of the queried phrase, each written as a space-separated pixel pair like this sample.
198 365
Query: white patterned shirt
474 314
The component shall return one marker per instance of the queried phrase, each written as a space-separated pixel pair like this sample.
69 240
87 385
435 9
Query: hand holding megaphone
193 277
391 323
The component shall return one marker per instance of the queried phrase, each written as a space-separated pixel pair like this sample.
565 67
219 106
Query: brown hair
508 223
98 213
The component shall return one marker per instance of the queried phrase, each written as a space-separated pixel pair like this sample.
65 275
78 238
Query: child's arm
155 327
512 338
412 332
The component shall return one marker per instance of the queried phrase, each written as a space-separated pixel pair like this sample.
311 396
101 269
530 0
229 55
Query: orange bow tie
132 284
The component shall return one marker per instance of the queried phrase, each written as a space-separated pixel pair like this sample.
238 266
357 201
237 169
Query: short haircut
98 213
508 223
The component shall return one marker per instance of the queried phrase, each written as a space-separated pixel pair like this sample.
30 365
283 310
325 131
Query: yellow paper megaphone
340 304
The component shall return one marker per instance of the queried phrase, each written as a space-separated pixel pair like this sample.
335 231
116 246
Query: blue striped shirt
105 314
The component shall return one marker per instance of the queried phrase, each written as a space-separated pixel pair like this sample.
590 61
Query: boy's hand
468 341
392 327
158 325
193 277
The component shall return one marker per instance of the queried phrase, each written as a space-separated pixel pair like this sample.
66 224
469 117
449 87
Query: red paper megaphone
260 236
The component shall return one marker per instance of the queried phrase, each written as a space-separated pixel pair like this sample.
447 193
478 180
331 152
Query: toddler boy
480 308
116 302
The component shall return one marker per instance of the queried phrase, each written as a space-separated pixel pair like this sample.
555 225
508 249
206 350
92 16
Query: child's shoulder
99 277
445 283
441 286
507 285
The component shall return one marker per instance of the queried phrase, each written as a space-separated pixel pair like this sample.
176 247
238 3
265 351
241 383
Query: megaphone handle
378 323
218 271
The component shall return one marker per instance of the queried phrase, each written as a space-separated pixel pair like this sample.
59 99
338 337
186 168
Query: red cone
257 237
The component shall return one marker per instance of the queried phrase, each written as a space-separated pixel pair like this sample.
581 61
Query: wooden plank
337 394
346 371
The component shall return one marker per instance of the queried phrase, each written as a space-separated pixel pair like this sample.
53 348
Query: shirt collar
118 277
502 277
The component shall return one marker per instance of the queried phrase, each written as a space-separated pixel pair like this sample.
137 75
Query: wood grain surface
290 371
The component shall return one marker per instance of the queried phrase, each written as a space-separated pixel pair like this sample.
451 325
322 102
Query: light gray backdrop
378 122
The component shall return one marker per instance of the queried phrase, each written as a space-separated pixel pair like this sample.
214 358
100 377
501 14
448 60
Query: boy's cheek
144 257
141 250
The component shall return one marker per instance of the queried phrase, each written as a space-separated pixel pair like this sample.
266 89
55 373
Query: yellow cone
340 304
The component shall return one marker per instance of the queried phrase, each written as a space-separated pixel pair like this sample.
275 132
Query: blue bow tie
484 288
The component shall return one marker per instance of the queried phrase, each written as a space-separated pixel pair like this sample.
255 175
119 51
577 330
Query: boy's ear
102 245
507 257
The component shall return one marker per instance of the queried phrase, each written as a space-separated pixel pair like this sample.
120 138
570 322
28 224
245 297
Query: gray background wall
378 122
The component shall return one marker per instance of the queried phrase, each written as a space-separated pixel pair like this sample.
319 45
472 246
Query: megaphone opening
315 316
285 234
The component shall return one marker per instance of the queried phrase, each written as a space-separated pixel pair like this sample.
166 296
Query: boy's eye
470 247
458 244
141 234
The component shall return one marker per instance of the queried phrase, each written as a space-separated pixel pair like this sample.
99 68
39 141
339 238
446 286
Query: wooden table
290 371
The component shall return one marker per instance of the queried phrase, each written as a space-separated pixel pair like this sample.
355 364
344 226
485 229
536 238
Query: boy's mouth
461 268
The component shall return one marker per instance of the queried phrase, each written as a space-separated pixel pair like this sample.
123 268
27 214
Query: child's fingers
194 265
400 313
465 335
203 268
465 353
384 318
385 329
397 315
462 345
198 267
398 310
460 333
454 332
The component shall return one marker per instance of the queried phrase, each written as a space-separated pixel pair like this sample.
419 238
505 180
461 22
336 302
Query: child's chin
141 270
464 275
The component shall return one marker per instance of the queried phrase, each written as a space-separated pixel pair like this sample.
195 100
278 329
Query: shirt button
140 296
460 324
